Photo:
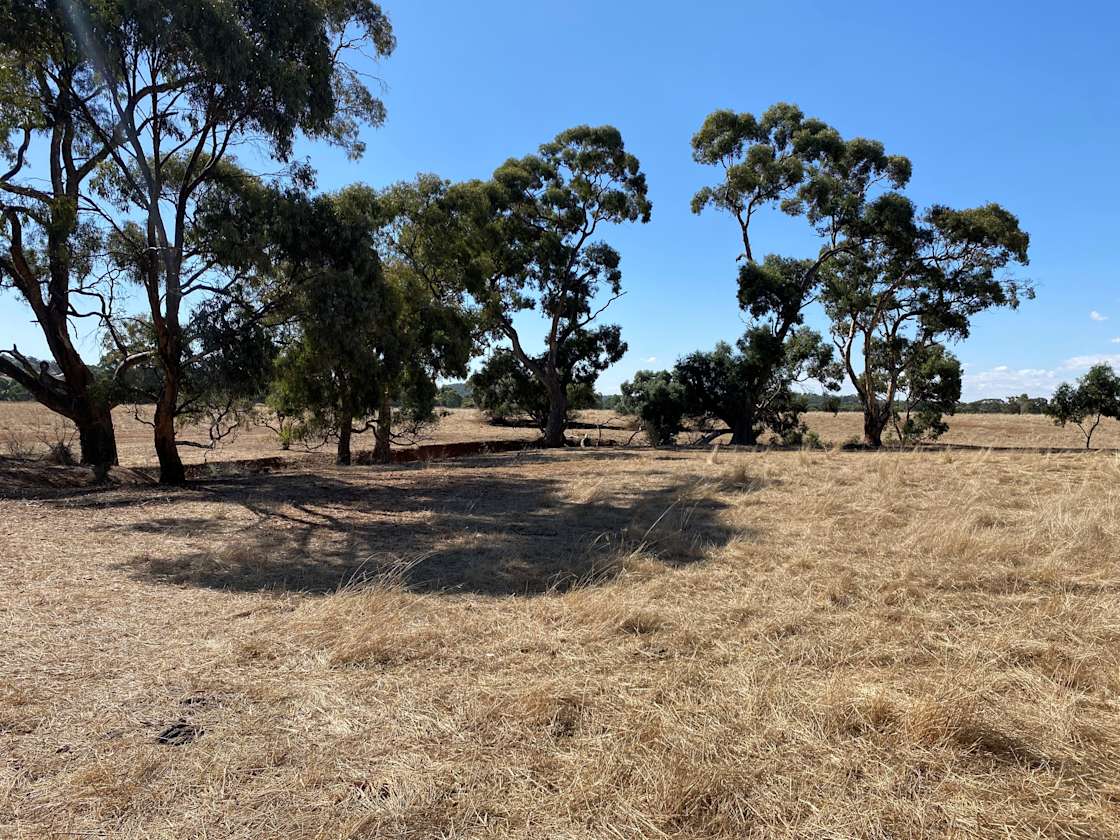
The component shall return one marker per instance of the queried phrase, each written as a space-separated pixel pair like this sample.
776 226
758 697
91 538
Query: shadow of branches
482 530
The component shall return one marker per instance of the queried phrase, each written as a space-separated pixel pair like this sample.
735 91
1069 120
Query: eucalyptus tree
806 169
503 386
48 248
533 246
326 375
371 319
895 300
161 93
1096 395
658 400
425 335
437 324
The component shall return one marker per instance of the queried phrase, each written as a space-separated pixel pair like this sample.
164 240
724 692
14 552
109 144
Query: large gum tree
48 245
804 167
896 299
537 248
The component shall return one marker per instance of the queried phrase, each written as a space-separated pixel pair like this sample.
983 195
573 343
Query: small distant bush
799 436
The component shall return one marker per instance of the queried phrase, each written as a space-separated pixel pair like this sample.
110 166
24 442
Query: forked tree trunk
74 394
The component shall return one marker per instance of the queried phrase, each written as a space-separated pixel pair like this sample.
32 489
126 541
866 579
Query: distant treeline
459 395
1022 404
12 391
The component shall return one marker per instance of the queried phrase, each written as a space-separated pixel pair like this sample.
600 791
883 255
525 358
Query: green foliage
805 168
658 400
327 374
371 334
144 98
532 231
448 397
610 402
750 387
12 391
227 371
932 388
1095 396
504 389
916 282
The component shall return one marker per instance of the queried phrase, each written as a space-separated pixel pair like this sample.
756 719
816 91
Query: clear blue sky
1015 102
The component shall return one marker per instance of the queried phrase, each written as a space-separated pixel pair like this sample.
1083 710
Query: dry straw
575 645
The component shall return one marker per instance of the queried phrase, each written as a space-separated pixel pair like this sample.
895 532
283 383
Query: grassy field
30 428
580 644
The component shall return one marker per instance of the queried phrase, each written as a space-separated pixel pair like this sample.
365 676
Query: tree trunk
873 426
170 464
744 432
72 393
345 430
96 435
383 432
557 417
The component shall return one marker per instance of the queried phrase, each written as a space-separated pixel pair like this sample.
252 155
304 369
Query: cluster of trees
345 310
898 283
1018 404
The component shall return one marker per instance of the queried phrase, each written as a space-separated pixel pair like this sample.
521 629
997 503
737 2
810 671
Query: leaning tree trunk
557 417
383 432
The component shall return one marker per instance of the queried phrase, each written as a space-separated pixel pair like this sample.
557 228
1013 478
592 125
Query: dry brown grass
571 645
1028 430
26 429
26 425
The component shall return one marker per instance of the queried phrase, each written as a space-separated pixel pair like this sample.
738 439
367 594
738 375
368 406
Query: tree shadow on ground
476 531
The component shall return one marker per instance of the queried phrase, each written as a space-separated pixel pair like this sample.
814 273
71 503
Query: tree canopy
1095 395
534 247
806 169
